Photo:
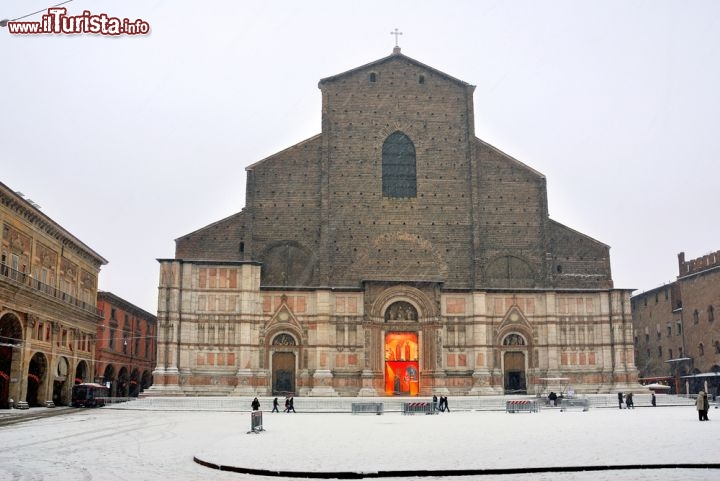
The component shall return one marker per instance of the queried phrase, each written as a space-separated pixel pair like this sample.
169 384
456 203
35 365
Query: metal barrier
567 404
422 408
256 424
521 406
367 407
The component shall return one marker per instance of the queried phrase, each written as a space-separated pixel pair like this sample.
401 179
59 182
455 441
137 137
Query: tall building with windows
676 334
126 346
393 253
48 311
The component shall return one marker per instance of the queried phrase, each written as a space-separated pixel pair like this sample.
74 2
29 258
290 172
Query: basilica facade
394 253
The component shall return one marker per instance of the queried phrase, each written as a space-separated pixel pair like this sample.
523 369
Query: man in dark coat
291 404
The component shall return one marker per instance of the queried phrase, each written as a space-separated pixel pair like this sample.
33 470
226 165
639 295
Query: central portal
401 364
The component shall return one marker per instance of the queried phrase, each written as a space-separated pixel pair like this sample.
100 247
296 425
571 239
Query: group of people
441 404
289 405
629 403
702 404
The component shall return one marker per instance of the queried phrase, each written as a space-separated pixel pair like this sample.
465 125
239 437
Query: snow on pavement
123 444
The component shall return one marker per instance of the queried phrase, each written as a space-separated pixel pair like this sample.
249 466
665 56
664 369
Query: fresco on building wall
401 364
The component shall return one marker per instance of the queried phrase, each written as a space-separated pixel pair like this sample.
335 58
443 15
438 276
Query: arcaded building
126 346
393 253
48 311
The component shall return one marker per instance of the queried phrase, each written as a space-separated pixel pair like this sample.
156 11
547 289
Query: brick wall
316 214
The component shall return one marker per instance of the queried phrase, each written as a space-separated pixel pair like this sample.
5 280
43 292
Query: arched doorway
514 361
37 372
401 364
10 341
284 362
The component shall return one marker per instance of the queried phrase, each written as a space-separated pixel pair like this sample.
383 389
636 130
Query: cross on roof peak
397 33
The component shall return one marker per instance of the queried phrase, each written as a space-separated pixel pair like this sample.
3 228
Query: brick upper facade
316 215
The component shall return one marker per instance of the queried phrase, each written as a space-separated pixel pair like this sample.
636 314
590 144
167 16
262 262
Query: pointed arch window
399 177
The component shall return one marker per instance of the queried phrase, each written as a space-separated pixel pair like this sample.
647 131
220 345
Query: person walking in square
653 401
629 401
702 405
291 404
275 406
620 400
255 404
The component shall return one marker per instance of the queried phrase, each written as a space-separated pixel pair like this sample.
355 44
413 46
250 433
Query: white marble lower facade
220 333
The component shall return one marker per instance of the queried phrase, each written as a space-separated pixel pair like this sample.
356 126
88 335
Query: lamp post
5 21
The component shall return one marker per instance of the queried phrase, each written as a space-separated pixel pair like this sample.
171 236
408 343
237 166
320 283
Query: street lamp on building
5 21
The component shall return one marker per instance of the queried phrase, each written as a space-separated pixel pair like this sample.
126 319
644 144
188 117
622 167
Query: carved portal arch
283 339
401 311
514 339
423 309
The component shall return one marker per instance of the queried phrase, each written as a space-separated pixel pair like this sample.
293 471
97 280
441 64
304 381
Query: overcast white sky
132 142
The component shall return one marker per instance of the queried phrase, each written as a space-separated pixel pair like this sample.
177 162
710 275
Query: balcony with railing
14 276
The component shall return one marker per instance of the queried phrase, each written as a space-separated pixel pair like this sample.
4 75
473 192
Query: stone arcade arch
62 383
146 380
109 377
37 376
10 358
81 373
123 382
134 383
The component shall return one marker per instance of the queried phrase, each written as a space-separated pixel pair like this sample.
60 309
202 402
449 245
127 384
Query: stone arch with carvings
423 308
